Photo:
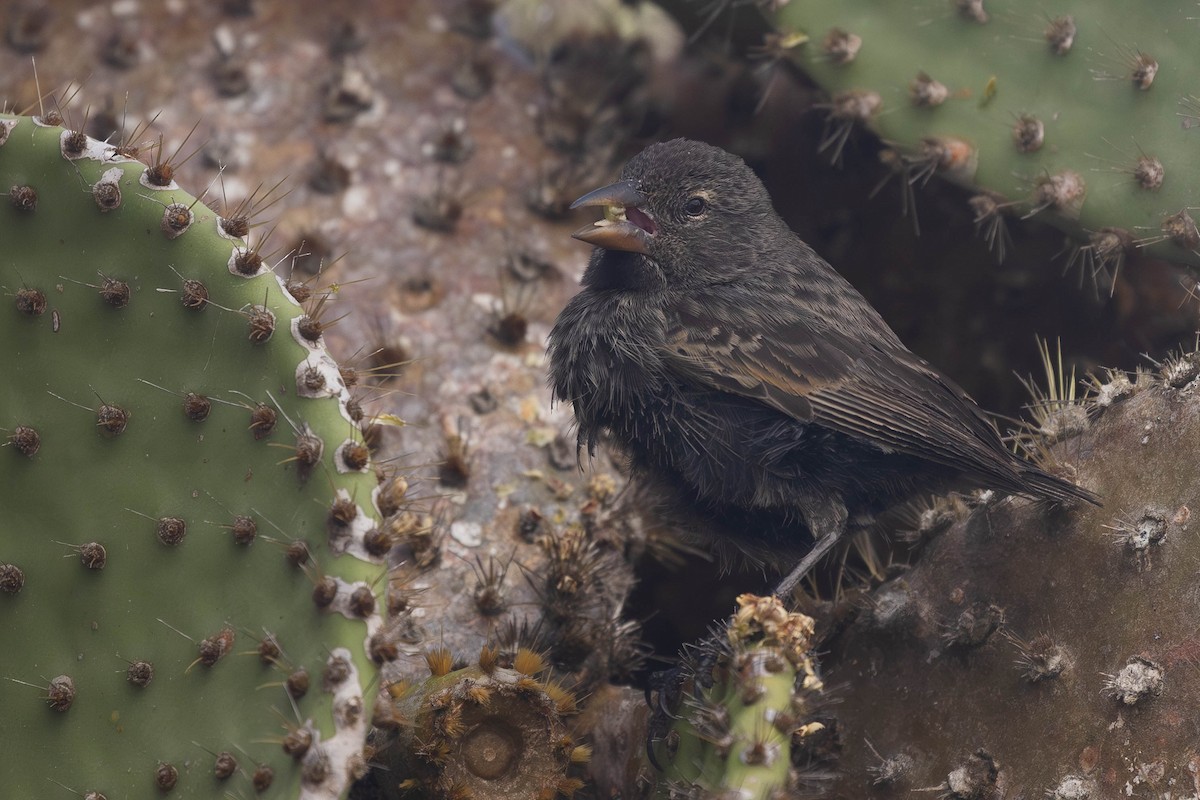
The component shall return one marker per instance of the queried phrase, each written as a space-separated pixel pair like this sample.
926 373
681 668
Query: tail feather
1044 485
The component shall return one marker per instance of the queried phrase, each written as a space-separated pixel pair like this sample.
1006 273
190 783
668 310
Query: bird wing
851 376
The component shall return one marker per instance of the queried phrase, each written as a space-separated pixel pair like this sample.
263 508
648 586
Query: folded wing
853 379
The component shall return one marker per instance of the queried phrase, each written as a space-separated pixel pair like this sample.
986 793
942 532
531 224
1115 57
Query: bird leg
826 516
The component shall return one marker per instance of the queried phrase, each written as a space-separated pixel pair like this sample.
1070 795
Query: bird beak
625 225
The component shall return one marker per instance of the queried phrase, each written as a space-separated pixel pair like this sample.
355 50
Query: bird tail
1049 487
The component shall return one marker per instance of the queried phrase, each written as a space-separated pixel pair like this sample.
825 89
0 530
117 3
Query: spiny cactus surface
740 715
185 599
1043 652
1085 115
496 728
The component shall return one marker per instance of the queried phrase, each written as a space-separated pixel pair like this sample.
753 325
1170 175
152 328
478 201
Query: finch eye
695 206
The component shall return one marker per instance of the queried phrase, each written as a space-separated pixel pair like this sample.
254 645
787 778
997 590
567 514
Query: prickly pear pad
1083 115
138 416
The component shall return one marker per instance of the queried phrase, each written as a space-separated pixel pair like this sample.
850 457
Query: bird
746 381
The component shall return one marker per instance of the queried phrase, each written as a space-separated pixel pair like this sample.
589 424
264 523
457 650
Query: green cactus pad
1082 114
735 738
135 416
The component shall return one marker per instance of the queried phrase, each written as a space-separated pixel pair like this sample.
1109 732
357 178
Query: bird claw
665 690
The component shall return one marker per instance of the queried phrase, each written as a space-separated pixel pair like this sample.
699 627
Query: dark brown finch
745 378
